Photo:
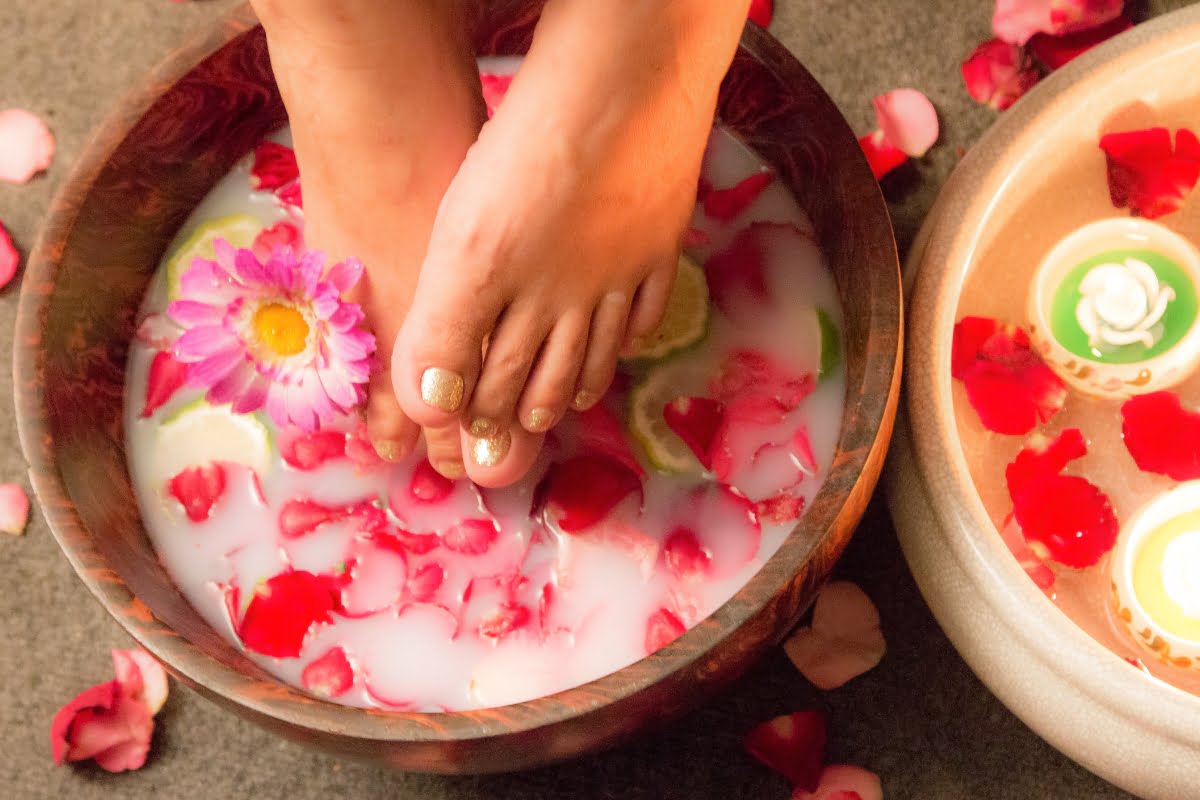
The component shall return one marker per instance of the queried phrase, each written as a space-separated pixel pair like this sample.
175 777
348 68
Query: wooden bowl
1035 177
144 171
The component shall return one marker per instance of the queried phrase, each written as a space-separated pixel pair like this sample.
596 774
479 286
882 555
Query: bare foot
557 241
384 103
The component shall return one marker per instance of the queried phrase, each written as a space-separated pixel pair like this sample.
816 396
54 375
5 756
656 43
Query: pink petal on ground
1016 21
14 509
166 376
26 145
105 724
761 12
494 89
843 782
141 677
724 205
908 120
882 155
793 745
844 641
998 73
10 259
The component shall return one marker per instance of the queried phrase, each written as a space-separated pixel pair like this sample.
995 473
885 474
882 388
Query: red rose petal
470 537
141 677
274 167
1162 436
417 543
736 275
695 420
783 507
101 696
281 612
378 575
26 145
14 509
601 432
998 73
684 556
843 782
761 12
10 259
1057 51
281 234
507 618
907 120
428 485
291 195
165 377
1017 21
725 204
310 450
882 155
792 745
662 628
579 493
424 583
198 489
331 675
1007 383
494 89
1146 175
300 516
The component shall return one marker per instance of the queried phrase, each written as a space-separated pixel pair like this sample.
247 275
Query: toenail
481 427
451 469
539 420
491 450
585 400
388 450
442 388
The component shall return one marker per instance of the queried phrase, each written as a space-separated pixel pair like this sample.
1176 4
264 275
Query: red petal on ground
299 517
783 507
1056 51
424 583
14 509
198 489
141 677
1067 516
1017 21
601 432
1146 175
736 275
308 451
761 12
882 155
281 612
26 145
10 259
470 537
695 420
580 492
792 745
1007 383
1162 436
725 204
684 556
101 696
281 234
1014 538
662 628
428 485
165 377
843 782
494 89
907 120
274 167
105 724
998 73
330 675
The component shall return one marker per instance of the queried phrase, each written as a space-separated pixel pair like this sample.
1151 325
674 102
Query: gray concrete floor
921 720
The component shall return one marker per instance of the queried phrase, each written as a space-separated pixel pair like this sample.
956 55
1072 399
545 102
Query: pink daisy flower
274 334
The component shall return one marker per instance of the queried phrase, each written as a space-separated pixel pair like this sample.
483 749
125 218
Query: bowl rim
946 248
873 399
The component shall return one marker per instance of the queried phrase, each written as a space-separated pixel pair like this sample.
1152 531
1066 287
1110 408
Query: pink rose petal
1016 21
494 89
14 509
843 782
844 641
908 120
141 677
10 259
998 73
26 145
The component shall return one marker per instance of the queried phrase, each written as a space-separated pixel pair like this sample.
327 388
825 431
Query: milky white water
587 596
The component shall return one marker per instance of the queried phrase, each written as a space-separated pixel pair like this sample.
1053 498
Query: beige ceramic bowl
1141 734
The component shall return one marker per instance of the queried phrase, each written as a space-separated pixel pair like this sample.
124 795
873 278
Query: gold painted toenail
637 345
388 450
539 419
491 450
585 400
481 426
451 469
442 388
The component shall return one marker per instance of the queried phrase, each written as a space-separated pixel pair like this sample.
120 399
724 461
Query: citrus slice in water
831 344
686 318
200 433
662 385
237 229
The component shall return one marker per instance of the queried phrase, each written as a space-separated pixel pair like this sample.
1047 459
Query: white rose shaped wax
1113 308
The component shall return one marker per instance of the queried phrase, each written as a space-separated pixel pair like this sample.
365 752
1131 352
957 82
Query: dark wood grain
146 168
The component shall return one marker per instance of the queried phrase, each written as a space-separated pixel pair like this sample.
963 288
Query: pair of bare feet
508 263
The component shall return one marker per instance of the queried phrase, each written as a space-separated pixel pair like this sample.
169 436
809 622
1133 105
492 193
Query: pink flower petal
724 205
662 628
494 89
198 489
14 509
843 782
26 145
882 155
844 641
10 259
998 73
1057 51
908 120
330 675
793 745
141 677
1016 21
1148 176
166 377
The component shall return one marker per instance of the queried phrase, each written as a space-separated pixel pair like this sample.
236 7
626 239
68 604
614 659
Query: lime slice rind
686 320
831 345
664 450
200 433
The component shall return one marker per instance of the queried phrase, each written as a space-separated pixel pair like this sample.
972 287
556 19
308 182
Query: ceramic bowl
1034 178
145 169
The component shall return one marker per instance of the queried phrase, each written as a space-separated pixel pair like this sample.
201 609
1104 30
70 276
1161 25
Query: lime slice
200 433
687 314
831 344
662 385
237 229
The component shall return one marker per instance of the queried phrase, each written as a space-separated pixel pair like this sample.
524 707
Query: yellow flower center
281 328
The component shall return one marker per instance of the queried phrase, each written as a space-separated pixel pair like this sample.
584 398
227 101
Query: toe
511 351
391 431
604 343
502 458
650 304
443 448
551 385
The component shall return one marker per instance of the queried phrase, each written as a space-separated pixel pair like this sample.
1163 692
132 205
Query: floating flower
998 74
1056 51
26 145
1148 176
844 640
274 335
1122 304
1162 436
1017 21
